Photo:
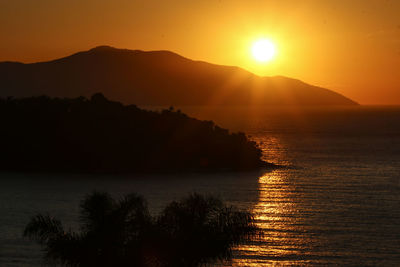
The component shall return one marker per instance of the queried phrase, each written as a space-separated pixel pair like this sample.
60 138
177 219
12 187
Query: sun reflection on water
275 214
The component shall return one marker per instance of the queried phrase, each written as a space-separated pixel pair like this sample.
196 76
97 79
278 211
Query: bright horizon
350 47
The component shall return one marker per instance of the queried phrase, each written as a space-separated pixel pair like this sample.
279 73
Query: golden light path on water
284 239
270 213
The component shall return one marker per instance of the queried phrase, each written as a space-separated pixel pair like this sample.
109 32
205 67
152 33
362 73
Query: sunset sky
352 47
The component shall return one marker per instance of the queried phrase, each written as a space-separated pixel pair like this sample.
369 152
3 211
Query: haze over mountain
156 78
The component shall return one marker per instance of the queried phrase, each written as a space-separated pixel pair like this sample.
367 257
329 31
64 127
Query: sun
263 50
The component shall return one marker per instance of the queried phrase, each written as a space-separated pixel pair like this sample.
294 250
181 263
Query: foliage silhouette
98 135
191 232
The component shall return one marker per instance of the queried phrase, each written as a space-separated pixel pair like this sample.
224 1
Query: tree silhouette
201 229
190 232
111 232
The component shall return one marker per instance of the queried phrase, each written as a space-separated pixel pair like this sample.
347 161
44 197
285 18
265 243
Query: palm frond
43 228
133 211
95 208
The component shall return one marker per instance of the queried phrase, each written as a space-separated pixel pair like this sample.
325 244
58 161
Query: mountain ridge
157 78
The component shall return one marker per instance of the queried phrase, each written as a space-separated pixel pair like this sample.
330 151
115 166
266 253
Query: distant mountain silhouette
156 78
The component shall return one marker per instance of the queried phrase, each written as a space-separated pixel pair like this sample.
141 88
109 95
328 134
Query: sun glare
263 50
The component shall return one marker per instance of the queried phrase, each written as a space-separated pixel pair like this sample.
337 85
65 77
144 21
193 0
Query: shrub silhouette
190 232
98 135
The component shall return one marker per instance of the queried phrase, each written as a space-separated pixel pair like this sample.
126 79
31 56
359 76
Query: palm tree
111 232
191 232
198 230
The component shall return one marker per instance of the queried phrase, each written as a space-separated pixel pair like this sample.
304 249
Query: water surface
335 202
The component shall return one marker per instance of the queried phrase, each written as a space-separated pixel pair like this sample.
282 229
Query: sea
334 200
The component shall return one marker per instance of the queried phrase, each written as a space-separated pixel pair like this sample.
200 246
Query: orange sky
352 47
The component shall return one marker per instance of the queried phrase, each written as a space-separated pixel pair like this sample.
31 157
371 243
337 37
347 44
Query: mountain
156 78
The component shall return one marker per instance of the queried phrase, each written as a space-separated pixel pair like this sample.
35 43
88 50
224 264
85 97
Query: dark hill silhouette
156 78
97 135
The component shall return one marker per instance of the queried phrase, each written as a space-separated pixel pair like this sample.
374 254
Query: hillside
156 78
98 135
